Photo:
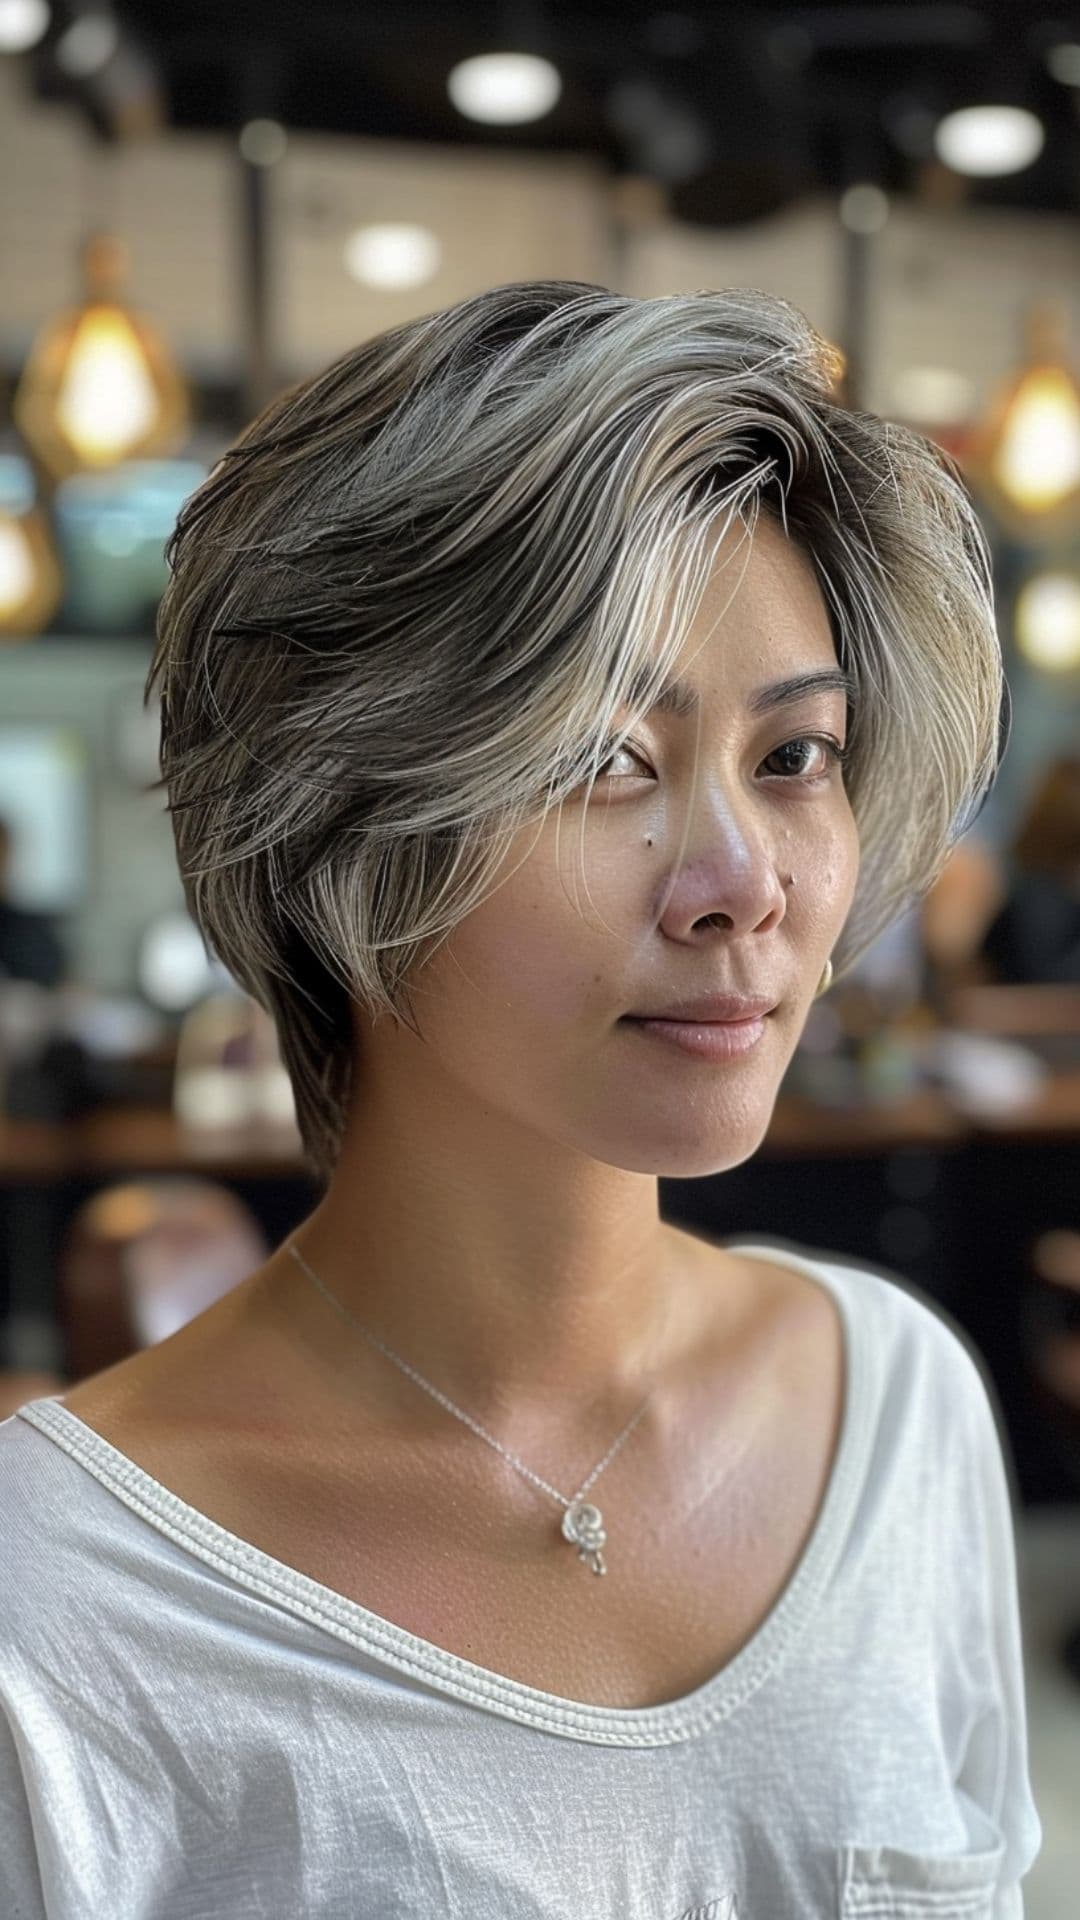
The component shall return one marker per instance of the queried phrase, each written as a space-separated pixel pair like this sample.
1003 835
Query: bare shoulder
219 1413
231 1410
183 1386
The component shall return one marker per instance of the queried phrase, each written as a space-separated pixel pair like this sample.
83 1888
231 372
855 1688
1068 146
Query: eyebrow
682 699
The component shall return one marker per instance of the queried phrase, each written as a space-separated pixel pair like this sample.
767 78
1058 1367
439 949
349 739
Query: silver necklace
582 1523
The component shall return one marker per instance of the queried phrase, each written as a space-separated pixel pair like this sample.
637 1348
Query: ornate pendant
583 1526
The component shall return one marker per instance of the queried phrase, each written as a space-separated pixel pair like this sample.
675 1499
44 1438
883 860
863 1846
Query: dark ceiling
738 110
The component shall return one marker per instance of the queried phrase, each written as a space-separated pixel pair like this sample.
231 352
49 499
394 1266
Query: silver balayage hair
406 605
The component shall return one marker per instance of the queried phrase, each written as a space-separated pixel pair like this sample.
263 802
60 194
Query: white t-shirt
192 1730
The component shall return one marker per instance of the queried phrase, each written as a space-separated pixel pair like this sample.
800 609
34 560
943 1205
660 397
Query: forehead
762 577
762 621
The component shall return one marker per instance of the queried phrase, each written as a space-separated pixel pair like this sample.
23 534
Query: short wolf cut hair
406 605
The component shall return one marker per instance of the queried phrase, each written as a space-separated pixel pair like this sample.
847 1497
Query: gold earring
826 980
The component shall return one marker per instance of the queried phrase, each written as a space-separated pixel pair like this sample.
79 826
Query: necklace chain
450 1407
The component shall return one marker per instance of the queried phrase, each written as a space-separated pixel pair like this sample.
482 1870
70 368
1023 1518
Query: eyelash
838 756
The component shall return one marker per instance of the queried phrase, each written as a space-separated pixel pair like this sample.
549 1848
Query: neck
498 1305
512 1274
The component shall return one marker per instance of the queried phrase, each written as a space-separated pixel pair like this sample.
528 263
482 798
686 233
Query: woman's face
524 1007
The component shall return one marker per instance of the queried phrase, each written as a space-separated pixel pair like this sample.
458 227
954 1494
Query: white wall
950 285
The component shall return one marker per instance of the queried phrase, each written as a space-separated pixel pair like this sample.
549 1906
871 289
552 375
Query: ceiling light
22 24
392 256
989 140
1063 63
504 89
1024 453
30 581
1037 457
864 208
88 43
262 142
1047 621
99 385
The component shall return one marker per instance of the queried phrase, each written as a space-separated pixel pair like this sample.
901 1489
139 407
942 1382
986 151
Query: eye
632 753
837 756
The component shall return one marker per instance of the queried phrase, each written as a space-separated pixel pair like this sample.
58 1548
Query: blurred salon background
203 204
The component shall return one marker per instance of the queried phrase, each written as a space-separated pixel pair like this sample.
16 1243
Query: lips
712 1009
715 1040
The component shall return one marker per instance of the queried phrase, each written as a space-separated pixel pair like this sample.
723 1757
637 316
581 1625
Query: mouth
719 1010
705 1039
672 1020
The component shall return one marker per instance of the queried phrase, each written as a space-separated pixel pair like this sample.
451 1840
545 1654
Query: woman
551 663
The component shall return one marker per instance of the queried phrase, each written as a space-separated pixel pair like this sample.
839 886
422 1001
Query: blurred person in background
953 916
30 946
1035 935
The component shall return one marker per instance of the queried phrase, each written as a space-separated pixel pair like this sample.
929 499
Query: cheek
524 956
839 869
853 851
826 867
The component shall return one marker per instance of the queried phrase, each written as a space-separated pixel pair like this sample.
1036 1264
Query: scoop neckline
684 1718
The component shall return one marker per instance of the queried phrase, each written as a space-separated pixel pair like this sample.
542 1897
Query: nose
735 884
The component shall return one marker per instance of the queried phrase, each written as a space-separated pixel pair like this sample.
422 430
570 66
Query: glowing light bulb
106 404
